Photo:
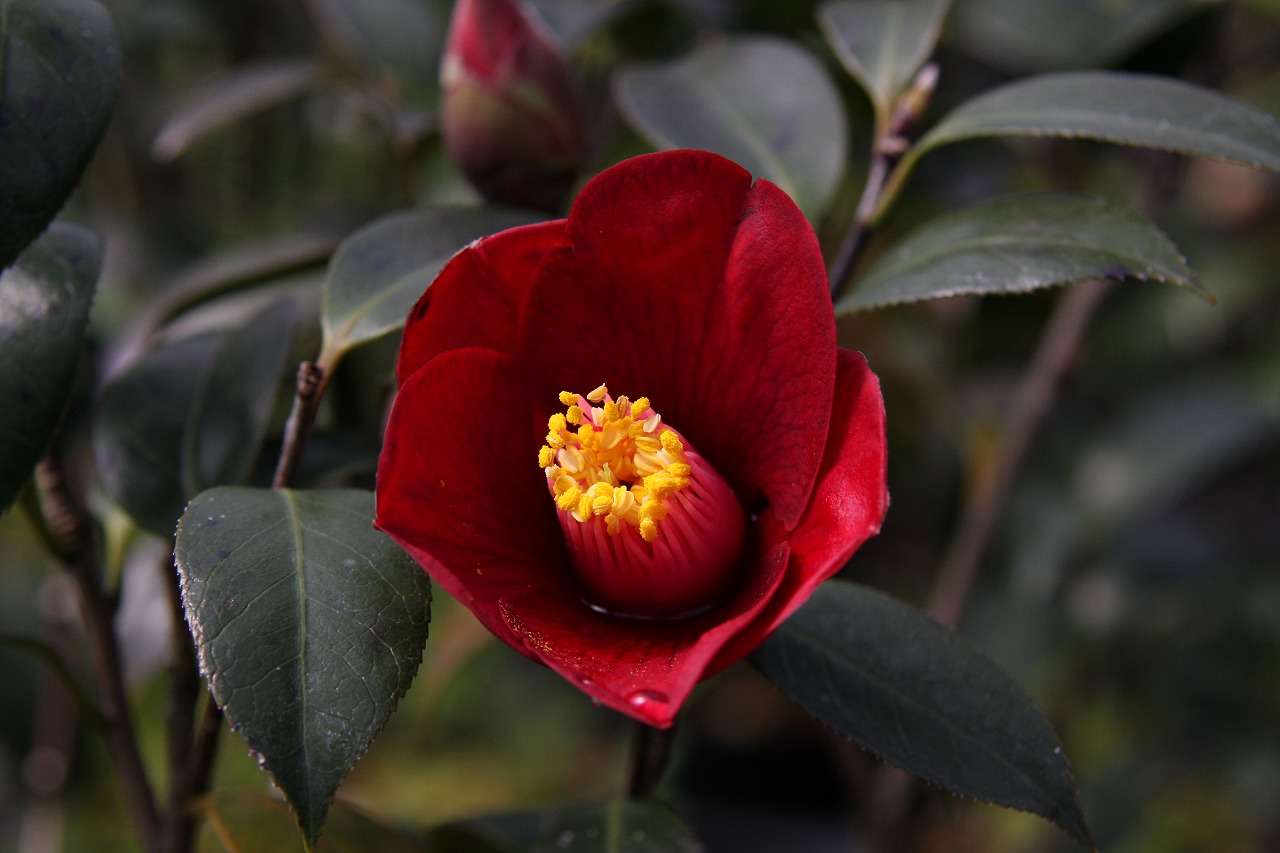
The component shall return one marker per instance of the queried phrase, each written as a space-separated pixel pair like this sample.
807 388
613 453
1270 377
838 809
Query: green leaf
1020 243
44 308
255 822
1127 109
763 102
191 414
1049 35
59 70
622 826
378 273
923 698
309 625
232 97
883 43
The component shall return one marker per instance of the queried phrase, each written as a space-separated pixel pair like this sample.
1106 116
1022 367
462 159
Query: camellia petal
679 256
475 299
676 278
850 501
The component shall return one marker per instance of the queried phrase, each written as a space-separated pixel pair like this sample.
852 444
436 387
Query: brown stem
889 146
1053 361
312 379
650 750
184 693
71 523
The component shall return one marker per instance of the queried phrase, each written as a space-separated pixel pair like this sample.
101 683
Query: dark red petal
644 668
684 283
460 489
476 298
849 503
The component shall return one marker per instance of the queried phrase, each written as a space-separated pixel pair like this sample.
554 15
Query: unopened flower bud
511 115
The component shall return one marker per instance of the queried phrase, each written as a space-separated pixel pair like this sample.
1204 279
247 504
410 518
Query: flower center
652 528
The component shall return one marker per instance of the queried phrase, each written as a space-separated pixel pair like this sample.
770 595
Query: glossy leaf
191 414
44 308
241 92
923 698
255 822
1127 109
309 625
622 826
59 70
1049 35
1016 244
763 102
883 43
378 273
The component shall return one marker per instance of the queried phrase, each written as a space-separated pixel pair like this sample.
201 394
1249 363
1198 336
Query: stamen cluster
614 460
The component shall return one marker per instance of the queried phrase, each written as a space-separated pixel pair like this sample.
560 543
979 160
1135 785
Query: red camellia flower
627 440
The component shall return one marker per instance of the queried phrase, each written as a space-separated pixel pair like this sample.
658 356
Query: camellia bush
663 357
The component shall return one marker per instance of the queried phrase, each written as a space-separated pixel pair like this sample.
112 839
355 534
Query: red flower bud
511 116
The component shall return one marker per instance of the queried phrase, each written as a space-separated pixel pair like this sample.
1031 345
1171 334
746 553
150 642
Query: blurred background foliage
1134 583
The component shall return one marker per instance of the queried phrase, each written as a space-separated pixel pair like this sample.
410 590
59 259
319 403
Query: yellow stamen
614 461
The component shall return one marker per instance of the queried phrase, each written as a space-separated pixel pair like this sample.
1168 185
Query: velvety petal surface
459 487
645 668
849 503
684 282
476 298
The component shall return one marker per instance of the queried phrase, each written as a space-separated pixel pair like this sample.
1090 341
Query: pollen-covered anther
651 527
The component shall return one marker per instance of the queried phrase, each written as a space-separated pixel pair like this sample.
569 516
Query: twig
70 522
312 381
1054 359
184 693
887 149
650 749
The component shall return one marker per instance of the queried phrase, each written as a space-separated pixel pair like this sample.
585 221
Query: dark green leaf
1020 243
59 70
44 307
309 625
883 43
238 94
379 272
1127 109
255 822
623 826
763 102
923 698
1049 35
189 415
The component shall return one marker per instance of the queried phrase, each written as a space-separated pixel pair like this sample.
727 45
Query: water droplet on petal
644 697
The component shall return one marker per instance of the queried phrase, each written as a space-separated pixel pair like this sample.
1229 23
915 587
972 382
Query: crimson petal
848 506
475 299
644 668
683 282
471 509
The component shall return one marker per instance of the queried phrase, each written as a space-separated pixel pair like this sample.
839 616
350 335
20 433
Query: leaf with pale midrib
309 625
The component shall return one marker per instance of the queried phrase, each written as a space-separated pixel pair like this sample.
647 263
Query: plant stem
71 524
650 750
311 384
184 693
1055 357
888 148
